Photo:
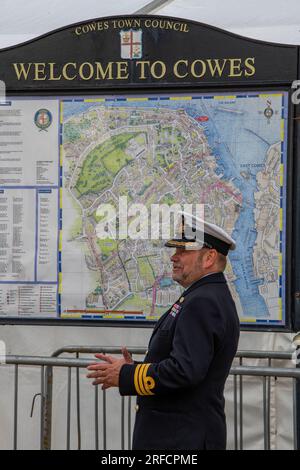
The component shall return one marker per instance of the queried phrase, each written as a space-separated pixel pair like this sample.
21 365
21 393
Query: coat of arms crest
131 44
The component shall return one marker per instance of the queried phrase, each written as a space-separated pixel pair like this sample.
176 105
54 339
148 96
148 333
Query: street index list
29 207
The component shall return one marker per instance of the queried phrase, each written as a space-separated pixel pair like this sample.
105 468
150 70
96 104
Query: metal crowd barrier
47 364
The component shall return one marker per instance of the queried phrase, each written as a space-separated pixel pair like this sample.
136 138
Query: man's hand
108 373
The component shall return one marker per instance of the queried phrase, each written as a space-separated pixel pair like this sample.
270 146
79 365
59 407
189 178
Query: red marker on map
202 118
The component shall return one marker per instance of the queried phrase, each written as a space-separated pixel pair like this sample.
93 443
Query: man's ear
210 258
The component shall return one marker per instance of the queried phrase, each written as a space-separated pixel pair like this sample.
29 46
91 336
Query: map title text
183 69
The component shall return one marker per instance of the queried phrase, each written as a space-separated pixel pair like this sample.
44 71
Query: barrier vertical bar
129 423
123 423
241 408
78 405
104 420
235 412
269 405
265 413
297 401
295 412
96 419
16 385
42 405
69 408
47 412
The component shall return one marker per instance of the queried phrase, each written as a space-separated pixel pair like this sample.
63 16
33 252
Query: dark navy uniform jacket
180 384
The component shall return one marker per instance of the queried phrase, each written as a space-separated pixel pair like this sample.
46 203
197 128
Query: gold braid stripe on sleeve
143 383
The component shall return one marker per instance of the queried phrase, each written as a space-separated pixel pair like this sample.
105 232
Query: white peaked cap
195 232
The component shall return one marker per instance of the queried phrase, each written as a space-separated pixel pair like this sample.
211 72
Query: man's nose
174 257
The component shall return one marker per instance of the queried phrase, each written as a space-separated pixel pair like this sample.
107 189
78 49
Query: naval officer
180 384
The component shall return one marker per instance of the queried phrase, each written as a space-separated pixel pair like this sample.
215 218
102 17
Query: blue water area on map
239 136
72 108
240 140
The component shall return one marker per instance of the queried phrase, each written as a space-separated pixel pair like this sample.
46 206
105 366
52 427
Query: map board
145 111
227 152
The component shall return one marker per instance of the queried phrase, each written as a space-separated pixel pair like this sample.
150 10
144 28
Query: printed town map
227 152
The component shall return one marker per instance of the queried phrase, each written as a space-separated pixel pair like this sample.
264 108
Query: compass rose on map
268 111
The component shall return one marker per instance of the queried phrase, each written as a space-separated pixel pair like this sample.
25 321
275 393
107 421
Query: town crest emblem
131 44
43 119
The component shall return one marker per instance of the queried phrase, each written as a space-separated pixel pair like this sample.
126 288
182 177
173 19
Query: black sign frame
270 78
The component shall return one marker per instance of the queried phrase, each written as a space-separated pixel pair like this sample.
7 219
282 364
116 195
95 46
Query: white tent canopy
269 20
